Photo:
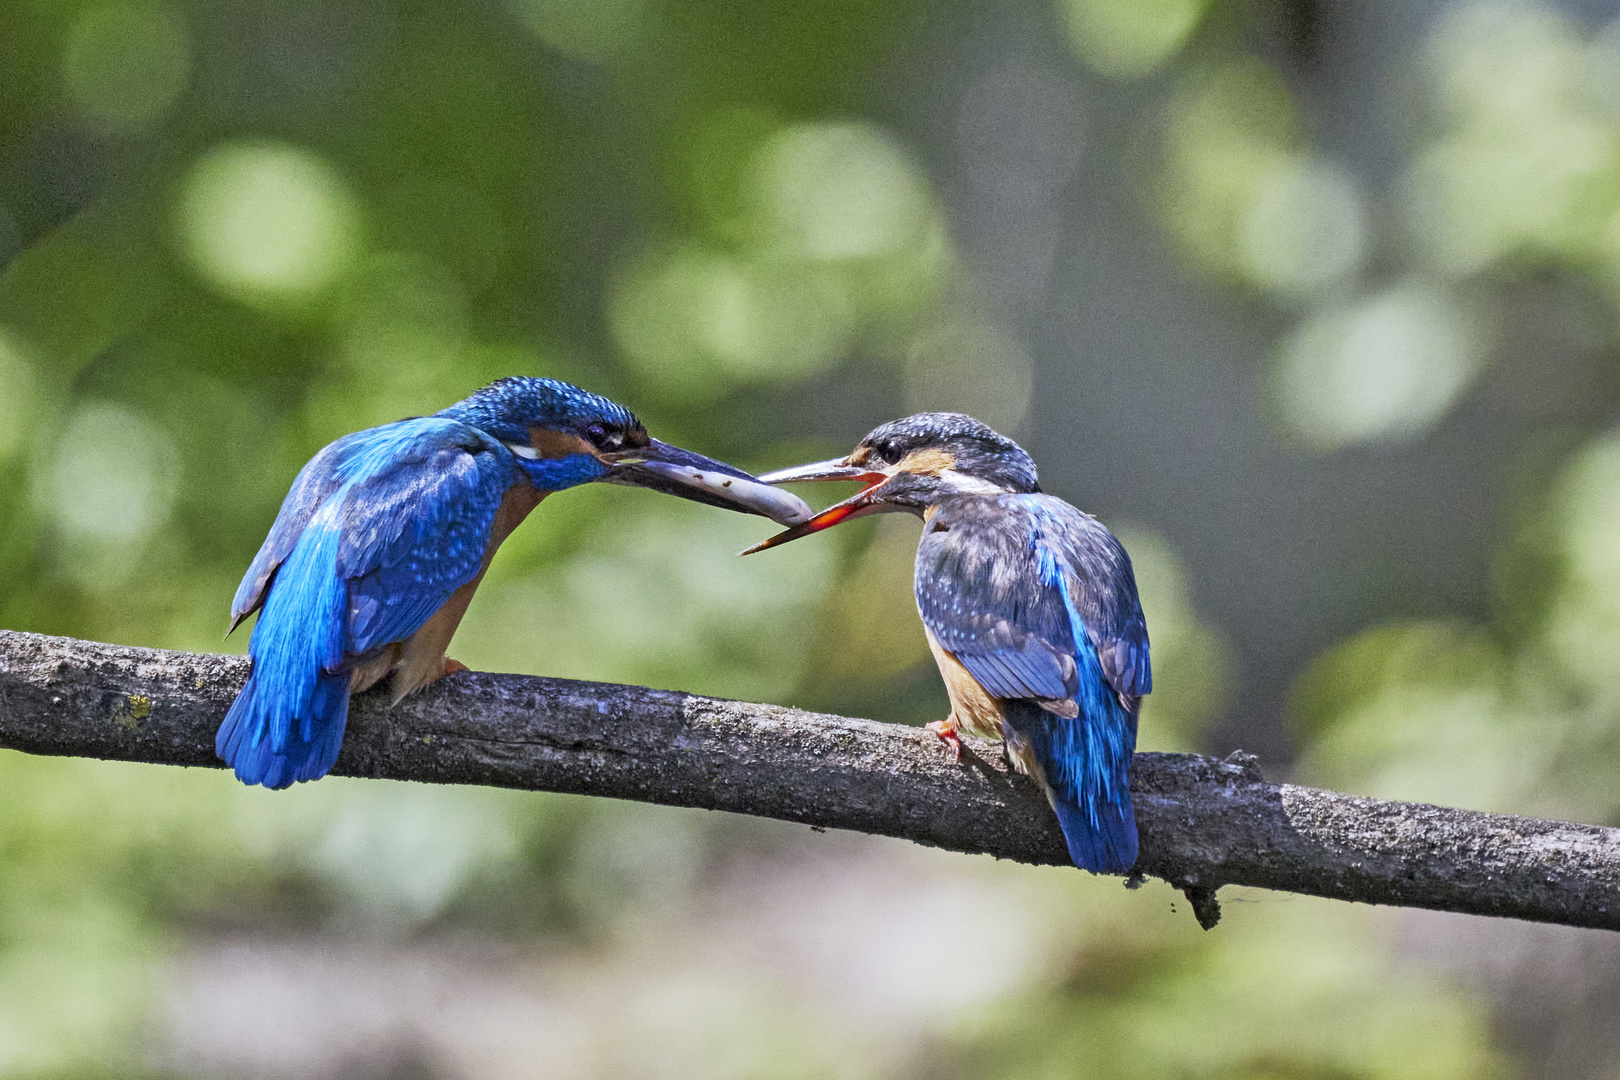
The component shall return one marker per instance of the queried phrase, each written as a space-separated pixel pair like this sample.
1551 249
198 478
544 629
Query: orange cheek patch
930 462
557 444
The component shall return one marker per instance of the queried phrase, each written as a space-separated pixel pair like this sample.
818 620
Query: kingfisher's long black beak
867 501
674 471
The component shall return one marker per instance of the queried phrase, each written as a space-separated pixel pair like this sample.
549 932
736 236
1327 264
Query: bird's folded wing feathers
415 530
1022 666
314 484
988 589
419 497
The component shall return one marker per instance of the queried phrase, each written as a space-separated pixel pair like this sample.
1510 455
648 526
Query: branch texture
1204 822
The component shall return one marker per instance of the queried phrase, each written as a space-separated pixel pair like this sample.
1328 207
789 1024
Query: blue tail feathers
308 745
287 723
1103 841
1086 762
1086 759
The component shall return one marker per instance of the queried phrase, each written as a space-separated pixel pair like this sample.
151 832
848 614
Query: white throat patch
962 484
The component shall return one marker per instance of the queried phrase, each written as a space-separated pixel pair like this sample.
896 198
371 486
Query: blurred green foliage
241 228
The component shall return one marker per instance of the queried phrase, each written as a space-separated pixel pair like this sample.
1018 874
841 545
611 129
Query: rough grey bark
1204 823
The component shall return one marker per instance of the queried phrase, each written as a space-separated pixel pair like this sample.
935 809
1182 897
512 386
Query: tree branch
1204 822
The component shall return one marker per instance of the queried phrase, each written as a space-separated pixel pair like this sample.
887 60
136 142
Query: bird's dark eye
888 453
604 437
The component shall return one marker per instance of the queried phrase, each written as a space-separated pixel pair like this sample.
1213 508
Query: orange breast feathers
972 709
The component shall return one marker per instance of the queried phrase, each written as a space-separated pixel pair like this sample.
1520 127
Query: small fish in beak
673 471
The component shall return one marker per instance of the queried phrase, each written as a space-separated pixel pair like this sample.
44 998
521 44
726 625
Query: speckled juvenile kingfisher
1030 608
386 534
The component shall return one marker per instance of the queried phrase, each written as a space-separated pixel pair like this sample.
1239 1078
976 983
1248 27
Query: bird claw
451 667
946 731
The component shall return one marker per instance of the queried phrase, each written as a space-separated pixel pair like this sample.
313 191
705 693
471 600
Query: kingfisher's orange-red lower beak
868 500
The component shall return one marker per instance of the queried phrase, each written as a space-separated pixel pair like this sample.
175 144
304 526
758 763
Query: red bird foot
451 667
946 731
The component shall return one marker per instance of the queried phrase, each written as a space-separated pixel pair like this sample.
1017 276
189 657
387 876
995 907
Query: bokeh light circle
113 477
842 191
972 366
125 64
592 30
1306 227
268 222
1129 38
1384 369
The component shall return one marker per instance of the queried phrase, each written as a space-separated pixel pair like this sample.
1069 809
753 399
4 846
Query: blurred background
1316 304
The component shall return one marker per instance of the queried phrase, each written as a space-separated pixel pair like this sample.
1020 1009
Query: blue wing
416 526
418 498
377 533
315 483
1038 602
1016 587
